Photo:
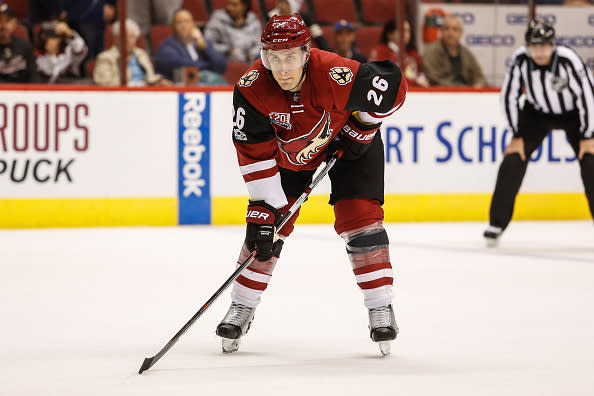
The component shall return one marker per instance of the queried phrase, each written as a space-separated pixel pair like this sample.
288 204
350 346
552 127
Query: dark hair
392 25
47 33
248 5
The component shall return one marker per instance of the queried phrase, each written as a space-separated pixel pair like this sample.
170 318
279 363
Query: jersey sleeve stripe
257 166
374 118
269 190
260 174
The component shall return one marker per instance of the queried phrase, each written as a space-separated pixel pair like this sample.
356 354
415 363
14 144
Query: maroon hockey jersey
274 128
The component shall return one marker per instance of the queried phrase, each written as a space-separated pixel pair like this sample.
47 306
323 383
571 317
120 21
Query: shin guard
367 248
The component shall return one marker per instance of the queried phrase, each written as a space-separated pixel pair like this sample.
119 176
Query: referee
559 94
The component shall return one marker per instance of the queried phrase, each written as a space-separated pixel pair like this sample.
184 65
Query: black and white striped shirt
565 85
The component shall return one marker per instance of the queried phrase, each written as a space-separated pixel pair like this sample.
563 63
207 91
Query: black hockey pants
533 128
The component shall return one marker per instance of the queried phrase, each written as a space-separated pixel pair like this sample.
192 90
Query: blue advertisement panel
194 200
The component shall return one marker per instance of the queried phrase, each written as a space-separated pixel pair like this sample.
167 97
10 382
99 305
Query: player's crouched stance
291 110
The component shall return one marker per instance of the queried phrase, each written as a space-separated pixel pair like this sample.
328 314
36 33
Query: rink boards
97 157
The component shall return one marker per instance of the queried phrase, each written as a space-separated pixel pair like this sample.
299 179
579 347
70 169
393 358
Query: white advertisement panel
454 142
493 32
88 144
437 143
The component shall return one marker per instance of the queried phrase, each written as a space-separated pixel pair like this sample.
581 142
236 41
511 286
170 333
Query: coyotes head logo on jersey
301 150
341 74
248 78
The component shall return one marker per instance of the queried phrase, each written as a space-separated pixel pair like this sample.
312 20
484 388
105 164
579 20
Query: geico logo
257 214
466 17
192 147
522 19
576 41
281 40
591 19
496 40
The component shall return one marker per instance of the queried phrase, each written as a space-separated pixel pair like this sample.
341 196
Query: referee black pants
533 127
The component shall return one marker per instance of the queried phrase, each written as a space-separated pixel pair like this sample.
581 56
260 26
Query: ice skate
492 235
382 327
235 324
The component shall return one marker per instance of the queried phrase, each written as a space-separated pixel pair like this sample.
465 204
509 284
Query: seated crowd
61 46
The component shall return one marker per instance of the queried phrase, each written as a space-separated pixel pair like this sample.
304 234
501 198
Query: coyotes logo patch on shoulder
248 78
341 74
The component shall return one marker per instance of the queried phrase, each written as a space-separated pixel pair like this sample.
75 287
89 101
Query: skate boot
382 327
492 235
236 323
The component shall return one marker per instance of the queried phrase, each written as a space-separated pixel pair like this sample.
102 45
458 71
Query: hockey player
288 109
559 94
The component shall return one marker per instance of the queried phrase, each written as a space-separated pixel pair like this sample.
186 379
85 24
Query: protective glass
285 59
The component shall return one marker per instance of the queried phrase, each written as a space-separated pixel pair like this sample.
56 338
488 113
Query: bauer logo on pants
194 158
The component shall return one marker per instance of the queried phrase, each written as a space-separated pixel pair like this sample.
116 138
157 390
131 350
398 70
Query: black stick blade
147 364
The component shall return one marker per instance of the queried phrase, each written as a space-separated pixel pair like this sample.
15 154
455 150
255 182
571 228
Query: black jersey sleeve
249 125
378 87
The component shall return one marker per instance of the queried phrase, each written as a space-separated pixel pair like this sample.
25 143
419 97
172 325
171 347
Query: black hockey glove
356 137
260 233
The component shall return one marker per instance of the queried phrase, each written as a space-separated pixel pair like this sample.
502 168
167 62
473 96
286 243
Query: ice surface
81 308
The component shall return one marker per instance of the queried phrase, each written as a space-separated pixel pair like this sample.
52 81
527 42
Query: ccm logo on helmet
255 214
281 40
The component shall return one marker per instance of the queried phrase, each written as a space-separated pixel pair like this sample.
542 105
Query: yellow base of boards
427 207
86 212
103 212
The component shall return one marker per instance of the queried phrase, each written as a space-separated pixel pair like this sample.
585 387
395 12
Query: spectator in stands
140 70
388 50
288 7
187 47
87 17
60 51
344 41
17 62
235 31
449 63
151 12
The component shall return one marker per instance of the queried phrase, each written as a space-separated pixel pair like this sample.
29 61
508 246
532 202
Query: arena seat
328 32
158 34
198 10
378 11
234 71
331 11
21 32
367 38
20 8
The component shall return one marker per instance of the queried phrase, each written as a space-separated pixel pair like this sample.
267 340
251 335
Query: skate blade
384 347
230 345
492 243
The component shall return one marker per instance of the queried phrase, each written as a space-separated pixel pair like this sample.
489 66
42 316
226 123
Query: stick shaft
149 362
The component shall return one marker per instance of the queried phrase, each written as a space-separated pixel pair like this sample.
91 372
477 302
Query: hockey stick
149 362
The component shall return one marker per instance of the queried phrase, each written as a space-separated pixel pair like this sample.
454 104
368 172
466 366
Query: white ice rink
81 308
